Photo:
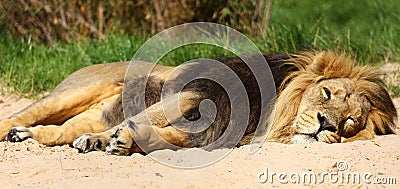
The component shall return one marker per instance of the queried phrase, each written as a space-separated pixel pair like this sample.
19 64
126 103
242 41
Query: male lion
322 96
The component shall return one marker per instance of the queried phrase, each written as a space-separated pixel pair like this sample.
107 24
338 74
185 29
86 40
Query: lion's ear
383 114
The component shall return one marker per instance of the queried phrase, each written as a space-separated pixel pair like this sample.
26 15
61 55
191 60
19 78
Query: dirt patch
391 73
391 77
12 104
396 102
31 165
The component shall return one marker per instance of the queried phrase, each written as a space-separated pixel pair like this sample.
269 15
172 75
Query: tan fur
323 97
66 133
78 93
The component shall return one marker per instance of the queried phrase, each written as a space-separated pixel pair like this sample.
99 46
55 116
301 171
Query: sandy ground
32 165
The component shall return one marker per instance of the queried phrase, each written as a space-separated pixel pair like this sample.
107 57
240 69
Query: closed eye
326 93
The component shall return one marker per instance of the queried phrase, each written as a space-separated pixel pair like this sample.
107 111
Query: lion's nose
324 123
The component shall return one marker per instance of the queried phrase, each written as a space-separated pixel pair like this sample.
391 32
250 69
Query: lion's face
328 98
329 110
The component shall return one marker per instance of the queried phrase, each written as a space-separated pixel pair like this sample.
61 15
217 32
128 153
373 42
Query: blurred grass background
42 42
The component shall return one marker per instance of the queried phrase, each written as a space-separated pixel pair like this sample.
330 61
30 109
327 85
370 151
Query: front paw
120 143
328 137
89 142
18 134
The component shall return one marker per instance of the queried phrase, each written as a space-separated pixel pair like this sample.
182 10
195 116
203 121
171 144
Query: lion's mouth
324 125
304 138
319 136
310 135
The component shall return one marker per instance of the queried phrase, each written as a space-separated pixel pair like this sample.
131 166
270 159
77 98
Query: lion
322 96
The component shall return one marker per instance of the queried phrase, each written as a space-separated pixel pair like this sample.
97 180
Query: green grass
32 69
395 89
367 29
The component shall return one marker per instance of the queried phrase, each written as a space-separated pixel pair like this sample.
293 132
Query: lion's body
91 101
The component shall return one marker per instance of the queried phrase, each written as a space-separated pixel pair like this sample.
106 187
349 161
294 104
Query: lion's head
331 99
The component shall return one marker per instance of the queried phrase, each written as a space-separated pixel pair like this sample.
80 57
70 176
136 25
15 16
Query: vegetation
366 29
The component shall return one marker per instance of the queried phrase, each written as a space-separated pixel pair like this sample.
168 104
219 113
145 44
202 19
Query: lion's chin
303 139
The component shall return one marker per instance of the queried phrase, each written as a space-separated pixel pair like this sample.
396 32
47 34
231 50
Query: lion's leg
174 106
89 121
85 122
58 107
118 140
150 126
365 134
146 138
